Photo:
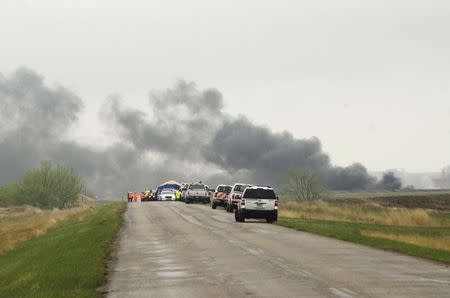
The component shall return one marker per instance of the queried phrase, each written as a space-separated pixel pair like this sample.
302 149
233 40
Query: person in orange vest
130 197
135 197
142 196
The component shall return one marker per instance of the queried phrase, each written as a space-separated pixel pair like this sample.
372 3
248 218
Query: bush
45 187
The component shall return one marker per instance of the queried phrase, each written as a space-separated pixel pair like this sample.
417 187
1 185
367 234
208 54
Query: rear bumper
198 199
218 202
260 213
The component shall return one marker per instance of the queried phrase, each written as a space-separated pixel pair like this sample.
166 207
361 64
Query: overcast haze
370 79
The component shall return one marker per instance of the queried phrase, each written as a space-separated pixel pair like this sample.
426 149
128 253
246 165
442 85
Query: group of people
133 196
144 196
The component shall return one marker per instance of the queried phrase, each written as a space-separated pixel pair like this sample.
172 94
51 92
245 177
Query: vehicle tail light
243 203
233 196
206 193
189 193
276 204
215 194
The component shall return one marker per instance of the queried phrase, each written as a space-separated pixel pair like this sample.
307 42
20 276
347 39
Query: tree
390 182
304 183
45 187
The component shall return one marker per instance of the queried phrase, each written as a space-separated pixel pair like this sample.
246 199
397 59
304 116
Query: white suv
258 202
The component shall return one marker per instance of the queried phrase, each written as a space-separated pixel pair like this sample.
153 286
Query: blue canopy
168 185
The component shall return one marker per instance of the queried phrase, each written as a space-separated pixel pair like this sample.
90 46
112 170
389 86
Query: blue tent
172 184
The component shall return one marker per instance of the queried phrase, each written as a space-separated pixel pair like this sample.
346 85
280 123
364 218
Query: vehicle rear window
197 186
267 194
225 189
240 188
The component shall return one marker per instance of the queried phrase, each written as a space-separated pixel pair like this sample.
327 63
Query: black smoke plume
185 135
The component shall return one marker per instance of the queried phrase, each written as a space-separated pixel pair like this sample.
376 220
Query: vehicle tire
240 215
269 219
236 216
214 206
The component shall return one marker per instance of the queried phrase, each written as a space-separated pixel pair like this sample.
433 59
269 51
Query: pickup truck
235 196
197 193
220 196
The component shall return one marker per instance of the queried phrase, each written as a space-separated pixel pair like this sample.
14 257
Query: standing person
177 194
135 197
130 197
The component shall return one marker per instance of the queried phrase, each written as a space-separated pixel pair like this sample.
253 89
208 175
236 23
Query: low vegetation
67 261
369 212
19 224
415 231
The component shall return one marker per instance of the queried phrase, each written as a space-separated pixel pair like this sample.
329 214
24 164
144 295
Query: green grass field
68 261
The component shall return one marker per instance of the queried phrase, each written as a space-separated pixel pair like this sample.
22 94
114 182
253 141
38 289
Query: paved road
169 249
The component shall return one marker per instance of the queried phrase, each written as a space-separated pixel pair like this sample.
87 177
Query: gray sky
371 79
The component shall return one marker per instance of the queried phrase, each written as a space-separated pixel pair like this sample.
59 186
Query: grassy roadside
361 233
22 223
67 261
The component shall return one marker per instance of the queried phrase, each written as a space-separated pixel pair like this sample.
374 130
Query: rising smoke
186 135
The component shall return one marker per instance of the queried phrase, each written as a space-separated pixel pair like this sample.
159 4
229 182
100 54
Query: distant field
67 261
374 194
426 199
415 223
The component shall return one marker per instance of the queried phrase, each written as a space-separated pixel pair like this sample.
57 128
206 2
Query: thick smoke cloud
185 135
390 181
34 123
183 120
32 117
190 124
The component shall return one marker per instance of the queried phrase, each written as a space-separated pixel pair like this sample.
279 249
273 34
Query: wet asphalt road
169 249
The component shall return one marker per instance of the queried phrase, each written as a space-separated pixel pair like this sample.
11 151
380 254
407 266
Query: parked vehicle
208 189
184 190
197 193
148 196
235 195
220 196
257 202
167 195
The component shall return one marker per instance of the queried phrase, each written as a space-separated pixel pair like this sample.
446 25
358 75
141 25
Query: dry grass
419 240
370 213
18 224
